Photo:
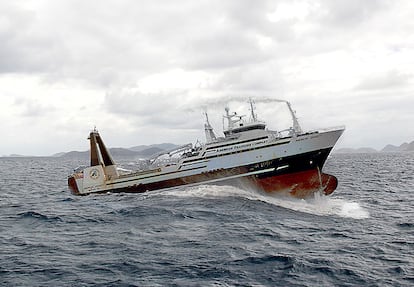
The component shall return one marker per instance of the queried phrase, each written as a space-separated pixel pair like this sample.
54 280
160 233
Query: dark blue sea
361 235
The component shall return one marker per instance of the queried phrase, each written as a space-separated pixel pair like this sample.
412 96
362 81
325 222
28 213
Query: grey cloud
331 25
231 38
134 102
389 80
32 107
116 44
122 41
350 13
152 109
76 40
22 48
223 49
256 79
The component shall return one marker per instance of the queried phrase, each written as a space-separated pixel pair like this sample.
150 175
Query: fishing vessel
287 162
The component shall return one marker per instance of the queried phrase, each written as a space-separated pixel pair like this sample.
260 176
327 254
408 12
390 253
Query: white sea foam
319 205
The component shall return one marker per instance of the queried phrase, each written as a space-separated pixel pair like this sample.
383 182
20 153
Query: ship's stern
75 182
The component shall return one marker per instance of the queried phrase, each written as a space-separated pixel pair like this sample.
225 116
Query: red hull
299 184
72 185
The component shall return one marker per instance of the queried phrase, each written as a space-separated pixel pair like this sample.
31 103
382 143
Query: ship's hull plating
297 175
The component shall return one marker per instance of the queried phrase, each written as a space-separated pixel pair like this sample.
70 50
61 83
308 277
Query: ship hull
297 175
300 184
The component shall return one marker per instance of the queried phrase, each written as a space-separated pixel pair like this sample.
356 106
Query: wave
38 216
319 205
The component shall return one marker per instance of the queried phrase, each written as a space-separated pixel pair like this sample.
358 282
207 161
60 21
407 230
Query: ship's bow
301 175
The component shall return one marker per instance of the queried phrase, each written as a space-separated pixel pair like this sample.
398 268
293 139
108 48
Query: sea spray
318 205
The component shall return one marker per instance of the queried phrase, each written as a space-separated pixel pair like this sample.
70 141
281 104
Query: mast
296 127
252 108
208 129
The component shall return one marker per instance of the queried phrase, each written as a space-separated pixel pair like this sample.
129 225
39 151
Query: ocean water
361 235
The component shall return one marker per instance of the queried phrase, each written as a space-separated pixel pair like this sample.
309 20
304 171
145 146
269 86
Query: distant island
405 147
142 151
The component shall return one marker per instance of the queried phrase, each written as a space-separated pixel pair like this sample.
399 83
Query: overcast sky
144 71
